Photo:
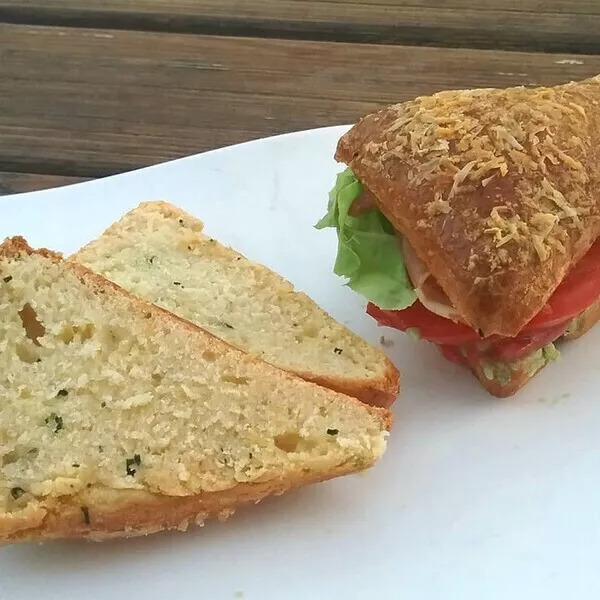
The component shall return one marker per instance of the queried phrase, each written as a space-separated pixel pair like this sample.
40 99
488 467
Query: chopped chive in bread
119 418
158 252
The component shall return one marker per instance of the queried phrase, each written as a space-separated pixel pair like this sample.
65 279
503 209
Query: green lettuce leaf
369 254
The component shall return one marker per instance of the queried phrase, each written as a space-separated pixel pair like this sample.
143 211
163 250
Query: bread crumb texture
103 391
159 253
494 181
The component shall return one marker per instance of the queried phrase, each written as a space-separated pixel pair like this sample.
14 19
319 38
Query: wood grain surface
538 25
89 103
16 183
89 89
558 25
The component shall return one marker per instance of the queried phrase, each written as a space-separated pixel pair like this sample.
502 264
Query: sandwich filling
379 263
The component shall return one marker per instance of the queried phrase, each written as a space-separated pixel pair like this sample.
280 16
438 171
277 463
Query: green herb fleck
55 421
151 259
337 351
224 458
131 464
7 279
86 514
333 431
62 393
17 492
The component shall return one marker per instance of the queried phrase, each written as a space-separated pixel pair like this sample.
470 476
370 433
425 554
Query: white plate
476 498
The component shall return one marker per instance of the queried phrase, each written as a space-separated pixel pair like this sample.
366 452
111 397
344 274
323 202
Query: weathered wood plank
552 25
15 183
279 8
94 102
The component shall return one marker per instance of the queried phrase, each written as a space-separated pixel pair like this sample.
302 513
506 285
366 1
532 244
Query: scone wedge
118 418
159 252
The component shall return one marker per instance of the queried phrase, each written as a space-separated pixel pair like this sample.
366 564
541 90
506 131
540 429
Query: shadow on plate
311 505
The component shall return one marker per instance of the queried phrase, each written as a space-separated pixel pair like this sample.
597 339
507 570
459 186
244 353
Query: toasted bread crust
381 392
100 512
496 190
495 388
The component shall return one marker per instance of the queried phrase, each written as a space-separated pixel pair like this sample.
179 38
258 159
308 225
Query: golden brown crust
103 513
17 246
502 390
496 190
381 391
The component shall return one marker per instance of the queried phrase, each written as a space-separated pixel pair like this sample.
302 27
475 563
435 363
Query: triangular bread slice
118 418
158 252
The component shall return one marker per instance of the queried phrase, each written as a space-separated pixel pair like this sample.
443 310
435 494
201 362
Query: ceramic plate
475 498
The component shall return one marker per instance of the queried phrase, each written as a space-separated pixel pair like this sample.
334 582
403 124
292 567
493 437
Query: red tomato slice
431 327
453 354
578 291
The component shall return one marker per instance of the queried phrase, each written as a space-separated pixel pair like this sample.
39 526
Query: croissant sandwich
470 218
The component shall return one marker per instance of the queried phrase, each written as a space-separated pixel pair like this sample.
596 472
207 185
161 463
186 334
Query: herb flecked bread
158 252
118 418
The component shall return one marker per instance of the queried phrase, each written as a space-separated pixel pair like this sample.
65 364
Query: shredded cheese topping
534 142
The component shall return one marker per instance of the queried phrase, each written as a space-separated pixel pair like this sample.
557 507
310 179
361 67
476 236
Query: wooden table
92 88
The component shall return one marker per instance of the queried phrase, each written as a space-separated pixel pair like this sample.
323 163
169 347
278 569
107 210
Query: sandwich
159 252
120 419
469 219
